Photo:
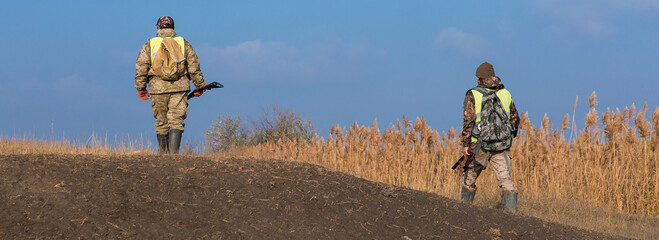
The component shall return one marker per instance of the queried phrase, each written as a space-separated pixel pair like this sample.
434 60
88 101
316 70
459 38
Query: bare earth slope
154 197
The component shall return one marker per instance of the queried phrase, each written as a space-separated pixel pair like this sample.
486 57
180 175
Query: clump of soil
188 197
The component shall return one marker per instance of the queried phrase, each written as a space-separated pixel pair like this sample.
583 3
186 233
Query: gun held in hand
204 88
464 161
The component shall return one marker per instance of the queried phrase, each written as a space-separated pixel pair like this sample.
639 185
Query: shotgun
204 88
464 161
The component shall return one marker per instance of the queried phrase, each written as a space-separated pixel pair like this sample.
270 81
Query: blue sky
68 66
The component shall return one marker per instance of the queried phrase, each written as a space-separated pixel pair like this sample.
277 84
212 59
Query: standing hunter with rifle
166 64
490 123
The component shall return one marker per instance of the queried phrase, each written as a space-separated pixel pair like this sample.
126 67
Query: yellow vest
502 94
156 42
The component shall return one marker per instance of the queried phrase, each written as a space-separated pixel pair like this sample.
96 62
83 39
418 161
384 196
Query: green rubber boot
174 140
163 144
468 196
510 202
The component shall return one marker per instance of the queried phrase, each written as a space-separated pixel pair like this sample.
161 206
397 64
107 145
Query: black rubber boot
510 202
174 140
163 144
468 196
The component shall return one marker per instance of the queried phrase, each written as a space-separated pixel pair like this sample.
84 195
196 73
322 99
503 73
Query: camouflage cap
165 22
485 70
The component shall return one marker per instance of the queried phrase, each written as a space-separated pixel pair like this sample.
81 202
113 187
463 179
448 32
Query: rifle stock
463 162
458 162
204 88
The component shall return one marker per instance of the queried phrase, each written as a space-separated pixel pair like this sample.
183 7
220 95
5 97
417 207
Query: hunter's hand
465 151
198 93
144 94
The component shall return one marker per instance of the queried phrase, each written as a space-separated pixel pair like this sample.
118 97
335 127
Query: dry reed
610 166
613 167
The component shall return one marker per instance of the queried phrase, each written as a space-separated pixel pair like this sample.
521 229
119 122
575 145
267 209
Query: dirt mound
154 197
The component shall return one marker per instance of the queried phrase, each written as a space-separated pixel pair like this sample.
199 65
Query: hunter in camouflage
168 98
469 118
500 160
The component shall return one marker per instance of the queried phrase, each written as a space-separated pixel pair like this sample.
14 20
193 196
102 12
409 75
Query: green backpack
494 131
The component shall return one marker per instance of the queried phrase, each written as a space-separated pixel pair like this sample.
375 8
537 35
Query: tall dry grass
94 144
603 176
610 164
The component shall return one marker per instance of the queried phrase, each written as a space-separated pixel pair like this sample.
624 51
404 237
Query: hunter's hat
165 22
485 70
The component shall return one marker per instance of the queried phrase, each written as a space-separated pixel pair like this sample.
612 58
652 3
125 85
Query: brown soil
187 197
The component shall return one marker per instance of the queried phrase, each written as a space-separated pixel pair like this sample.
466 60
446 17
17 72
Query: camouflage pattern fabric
494 131
501 164
157 85
170 111
165 22
469 114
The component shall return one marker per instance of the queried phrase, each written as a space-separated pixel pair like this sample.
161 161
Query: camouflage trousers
501 165
170 111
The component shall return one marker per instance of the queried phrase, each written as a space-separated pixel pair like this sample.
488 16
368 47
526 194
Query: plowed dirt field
189 197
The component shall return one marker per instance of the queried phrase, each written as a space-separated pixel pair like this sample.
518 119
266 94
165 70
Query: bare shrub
276 124
225 132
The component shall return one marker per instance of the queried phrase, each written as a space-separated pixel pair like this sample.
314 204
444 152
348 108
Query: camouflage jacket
156 84
469 119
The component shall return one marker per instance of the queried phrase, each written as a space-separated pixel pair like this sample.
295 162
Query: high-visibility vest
504 97
156 42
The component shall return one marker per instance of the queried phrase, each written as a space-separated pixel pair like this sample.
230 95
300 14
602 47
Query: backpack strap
480 89
155 43
483 92
505 102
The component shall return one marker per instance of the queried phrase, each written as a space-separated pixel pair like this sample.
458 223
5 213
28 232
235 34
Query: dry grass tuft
93 145
643 127
592 100
566 123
